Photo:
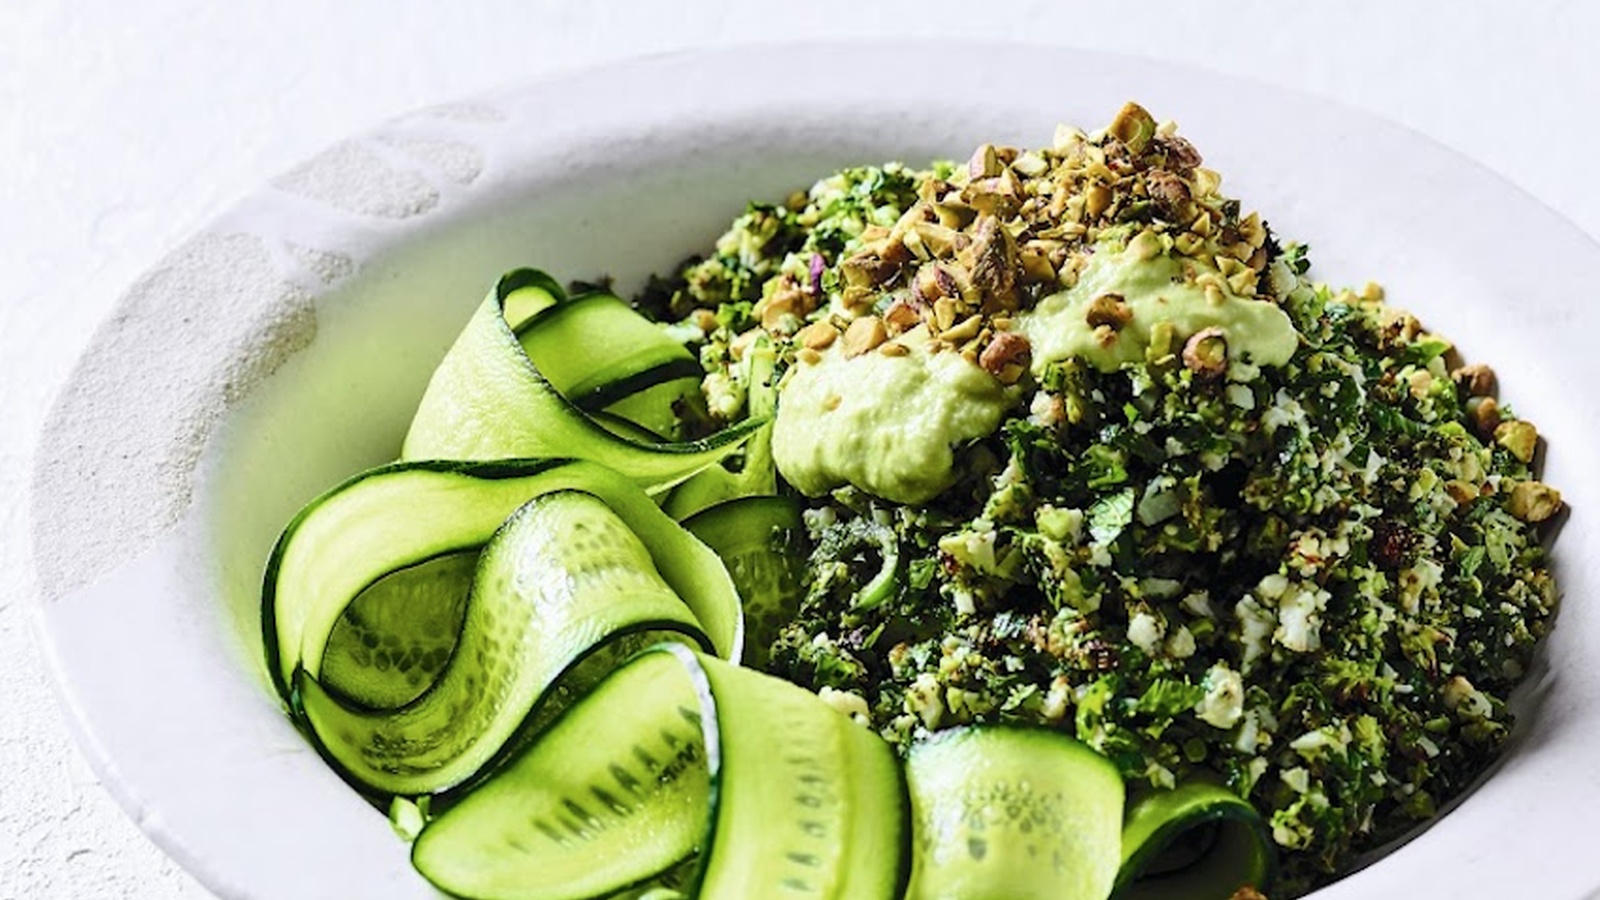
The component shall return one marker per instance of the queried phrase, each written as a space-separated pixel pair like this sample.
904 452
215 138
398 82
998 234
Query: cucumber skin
526 731
645 357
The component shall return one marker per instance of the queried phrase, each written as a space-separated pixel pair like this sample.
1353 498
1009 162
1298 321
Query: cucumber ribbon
1022 813
514 649
494 430
758 539
678 752
490 400
1198 841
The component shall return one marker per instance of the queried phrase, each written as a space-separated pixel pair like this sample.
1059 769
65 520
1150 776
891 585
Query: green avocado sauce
889 424
1156 286
886 424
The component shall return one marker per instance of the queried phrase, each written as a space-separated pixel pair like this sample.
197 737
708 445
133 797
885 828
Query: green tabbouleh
1316 581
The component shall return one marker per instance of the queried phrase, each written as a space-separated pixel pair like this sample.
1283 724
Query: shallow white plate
285 346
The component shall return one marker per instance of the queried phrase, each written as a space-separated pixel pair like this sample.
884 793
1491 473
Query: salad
1072 539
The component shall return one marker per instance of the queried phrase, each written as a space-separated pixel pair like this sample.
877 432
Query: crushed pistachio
1519 437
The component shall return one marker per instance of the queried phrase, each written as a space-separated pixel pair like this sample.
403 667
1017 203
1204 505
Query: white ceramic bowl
285 346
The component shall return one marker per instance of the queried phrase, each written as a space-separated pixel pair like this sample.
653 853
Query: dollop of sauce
890 424
887 424
1154 287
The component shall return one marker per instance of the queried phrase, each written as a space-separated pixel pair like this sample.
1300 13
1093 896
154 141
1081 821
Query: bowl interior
391 240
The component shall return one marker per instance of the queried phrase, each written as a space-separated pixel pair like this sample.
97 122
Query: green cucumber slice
564 576
524 293
760 540
350 537
632 431
807 803
676 378
394 639
612 794
1231 846
703 490
659 406
1010 813
782 795
488 400
600 353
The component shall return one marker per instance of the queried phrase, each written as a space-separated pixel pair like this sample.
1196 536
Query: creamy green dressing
889 424
886 424
1156 287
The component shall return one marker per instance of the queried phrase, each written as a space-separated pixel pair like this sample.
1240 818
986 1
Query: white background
124 126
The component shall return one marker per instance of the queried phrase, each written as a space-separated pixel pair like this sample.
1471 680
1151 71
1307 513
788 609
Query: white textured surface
123 127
